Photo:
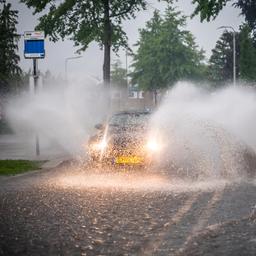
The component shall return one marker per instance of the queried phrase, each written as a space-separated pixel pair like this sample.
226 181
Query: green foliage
118 74
248 10
247 55
166 52
85 21
209 9
221 60
9 70
12 167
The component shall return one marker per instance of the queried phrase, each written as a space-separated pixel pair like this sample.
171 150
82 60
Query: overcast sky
206 35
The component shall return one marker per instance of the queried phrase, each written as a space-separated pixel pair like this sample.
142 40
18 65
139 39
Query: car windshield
129 119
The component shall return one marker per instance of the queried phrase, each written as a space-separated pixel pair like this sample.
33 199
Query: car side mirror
99 126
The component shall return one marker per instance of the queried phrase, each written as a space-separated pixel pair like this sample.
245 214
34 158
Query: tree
9 59
209 9
247 55
221 60
85 21
166 52
118 74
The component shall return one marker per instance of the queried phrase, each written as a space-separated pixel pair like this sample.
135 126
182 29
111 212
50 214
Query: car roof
132 112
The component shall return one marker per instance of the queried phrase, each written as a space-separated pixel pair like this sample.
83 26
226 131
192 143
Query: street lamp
66 63
234 51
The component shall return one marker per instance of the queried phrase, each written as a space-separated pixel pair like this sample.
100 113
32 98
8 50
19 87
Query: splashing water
65 115
208 133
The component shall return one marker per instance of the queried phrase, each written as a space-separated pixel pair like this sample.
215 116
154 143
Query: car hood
126 135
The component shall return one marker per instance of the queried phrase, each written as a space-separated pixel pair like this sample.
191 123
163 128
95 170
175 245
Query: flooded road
76 211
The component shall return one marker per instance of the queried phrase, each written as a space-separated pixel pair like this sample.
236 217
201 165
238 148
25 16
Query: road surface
73 211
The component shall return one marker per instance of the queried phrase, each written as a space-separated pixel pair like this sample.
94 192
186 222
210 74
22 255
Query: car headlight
100 145
153 145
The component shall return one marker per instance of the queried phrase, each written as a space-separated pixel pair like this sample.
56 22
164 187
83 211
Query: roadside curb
53 163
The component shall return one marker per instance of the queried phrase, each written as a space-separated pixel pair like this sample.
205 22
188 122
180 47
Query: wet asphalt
71 210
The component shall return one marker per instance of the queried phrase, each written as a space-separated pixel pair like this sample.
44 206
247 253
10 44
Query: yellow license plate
128 160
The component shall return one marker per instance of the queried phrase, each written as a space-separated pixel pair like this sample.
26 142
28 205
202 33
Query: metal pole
234 57
35 75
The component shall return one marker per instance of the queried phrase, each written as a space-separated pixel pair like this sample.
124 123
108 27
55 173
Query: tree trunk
107 44
155 97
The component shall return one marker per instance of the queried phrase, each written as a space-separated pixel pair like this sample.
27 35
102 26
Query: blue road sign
34 45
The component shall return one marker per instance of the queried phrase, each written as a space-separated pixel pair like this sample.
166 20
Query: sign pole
34 49
35 75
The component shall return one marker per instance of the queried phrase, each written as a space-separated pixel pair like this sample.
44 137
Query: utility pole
234 51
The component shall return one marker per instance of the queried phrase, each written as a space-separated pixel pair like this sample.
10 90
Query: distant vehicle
123 140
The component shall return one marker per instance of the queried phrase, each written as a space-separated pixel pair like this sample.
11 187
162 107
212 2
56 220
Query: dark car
123 140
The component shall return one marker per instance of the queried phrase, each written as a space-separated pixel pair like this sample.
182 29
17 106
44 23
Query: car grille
127 144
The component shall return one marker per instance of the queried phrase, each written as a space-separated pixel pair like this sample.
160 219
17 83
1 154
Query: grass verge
12 167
